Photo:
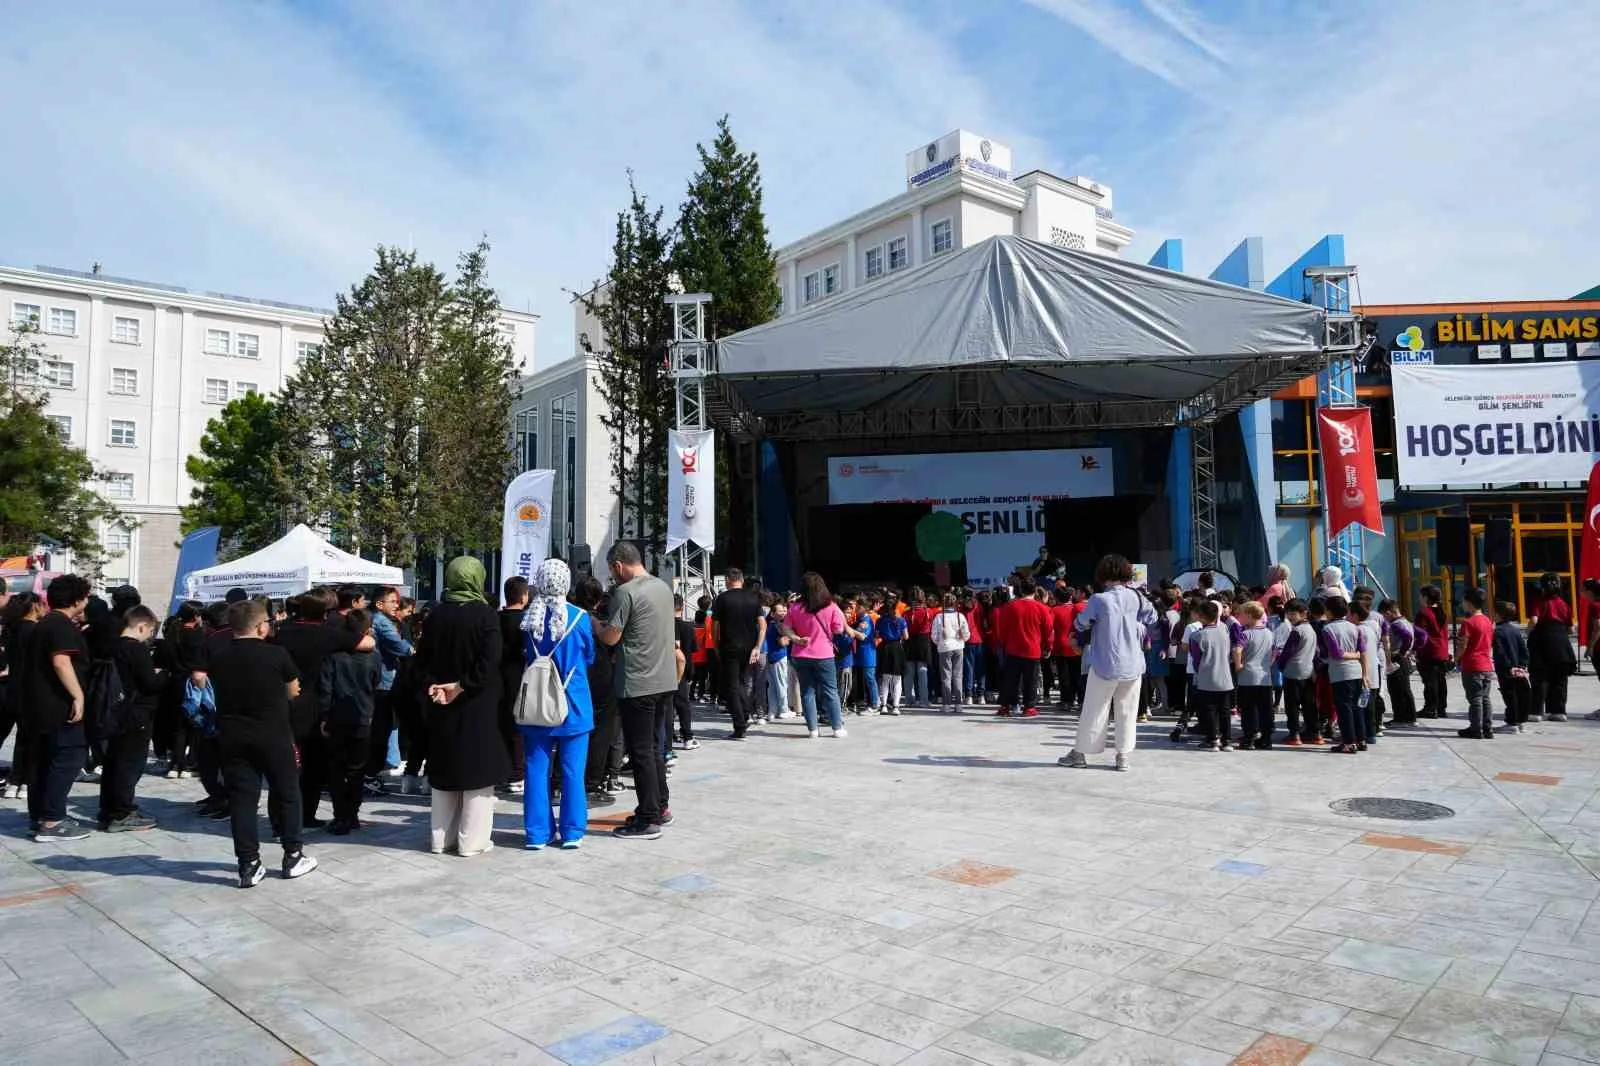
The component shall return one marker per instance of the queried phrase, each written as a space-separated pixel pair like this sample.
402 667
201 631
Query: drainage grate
1400 810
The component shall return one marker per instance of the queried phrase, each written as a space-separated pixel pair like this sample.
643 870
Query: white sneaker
784 716
840 733
302 865
811 734
173 775
893 712
1535 717
515 788
393 771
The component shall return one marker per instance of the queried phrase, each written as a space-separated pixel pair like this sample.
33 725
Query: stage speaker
1497 547
1453 540
582 562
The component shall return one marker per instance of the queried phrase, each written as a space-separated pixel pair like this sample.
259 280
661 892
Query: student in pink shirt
811 625
1474 654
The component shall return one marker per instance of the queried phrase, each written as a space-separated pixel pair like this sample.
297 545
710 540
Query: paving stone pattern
932 891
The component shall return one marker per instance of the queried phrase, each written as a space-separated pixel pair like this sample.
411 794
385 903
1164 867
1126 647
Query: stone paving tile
1163 917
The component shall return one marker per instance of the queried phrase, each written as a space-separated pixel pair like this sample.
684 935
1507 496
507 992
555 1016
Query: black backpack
108 700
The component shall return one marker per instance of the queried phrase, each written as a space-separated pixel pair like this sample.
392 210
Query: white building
959 191
135 371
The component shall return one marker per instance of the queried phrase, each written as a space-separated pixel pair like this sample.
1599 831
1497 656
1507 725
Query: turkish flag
1589 556
1349 471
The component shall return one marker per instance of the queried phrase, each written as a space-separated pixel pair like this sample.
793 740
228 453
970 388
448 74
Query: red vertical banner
1349 469
1589 555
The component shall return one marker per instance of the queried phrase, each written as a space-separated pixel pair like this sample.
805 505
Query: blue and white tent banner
1499 425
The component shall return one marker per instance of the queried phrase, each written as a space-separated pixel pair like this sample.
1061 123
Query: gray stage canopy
1011 334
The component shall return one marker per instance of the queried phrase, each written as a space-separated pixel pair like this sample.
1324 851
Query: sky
266 147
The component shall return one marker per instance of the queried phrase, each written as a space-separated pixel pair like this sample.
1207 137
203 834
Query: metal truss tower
1328 288
689 358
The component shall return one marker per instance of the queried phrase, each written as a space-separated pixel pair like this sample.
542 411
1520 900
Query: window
124 434
247 346
58 374
63 321
898 256
875 262
944 236
218 342
124 381
63 424
216 390
125 330
813 284
24 315
527 440
119 486
564 461
830 279
118 540
245 388
306 349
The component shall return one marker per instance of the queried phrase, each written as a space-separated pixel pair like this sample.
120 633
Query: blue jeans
538 820
976 684
869 672
819 679
916 684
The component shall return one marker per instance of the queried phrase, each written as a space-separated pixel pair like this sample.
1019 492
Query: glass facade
564 461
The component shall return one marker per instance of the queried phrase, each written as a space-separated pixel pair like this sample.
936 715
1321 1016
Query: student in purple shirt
1401 636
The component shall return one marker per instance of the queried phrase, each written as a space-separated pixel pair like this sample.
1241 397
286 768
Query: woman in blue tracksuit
561 630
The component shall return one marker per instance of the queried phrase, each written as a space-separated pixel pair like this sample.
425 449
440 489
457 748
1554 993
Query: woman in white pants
950 634
1110 630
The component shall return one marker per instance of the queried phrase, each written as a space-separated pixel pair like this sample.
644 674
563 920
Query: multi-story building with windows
960 190
134 371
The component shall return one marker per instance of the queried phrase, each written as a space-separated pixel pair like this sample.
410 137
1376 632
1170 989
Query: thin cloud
1187 23
1147 45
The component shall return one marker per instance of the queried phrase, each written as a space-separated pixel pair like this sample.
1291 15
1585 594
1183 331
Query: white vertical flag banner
525 529
691 489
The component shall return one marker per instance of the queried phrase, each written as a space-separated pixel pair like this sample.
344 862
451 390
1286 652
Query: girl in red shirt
1433 652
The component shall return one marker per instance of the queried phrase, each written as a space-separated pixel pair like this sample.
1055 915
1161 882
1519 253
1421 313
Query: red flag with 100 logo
1589 554
1349 470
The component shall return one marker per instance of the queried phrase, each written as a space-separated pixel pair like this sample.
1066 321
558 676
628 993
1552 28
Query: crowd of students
1330 668
330 694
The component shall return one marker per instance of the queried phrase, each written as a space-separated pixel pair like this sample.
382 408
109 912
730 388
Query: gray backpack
542 700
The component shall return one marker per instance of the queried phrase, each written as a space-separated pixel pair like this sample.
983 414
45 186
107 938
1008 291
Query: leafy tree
724 249
636 326
239 478
46 485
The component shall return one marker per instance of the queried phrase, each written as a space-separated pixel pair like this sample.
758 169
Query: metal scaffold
689 357
1328 288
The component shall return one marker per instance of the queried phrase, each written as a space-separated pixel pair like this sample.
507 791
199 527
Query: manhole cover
1400 810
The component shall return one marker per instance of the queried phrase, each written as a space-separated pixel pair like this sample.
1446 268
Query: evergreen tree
396 434
46 485
239 478
470 386
355 410
636 326
723 249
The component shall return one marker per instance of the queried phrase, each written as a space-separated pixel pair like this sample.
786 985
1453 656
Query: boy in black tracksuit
254 682
127 738
1510 648
348 688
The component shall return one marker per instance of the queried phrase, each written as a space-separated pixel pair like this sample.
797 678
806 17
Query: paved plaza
932 891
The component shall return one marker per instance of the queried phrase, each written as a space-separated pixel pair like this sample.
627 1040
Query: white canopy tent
299 561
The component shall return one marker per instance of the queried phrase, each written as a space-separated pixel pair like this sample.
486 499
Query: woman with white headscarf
560 631
1330 585
1278 585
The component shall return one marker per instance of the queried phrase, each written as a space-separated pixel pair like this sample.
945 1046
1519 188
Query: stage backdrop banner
1589 552
691 489
1349 469
999 496
525 528
1501 425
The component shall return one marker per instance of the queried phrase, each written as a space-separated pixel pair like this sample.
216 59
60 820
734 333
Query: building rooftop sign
958 150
